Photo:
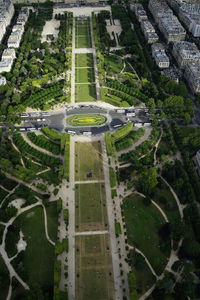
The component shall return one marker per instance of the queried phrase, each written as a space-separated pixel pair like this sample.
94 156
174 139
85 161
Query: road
57 119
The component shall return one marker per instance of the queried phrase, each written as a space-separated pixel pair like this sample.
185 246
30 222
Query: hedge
122 132
113 178
110 148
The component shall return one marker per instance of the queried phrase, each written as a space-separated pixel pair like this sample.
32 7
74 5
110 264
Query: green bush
113 193
122 132
43 142
113 177
51 133
132 286
26 148
109 145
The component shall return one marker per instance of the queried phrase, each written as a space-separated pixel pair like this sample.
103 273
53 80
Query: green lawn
113 178
113 64
143 222
83 41
88 161
90 203
82 30
52 219
86 120
94 268
170 207
144 277
82 21
84 60
37 262
85 92
84 75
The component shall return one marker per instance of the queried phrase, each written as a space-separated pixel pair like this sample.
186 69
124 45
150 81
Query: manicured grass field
143 222
82 29
86 120
82 21
83 41
114 64
90 203
144 277
94 275
83 36
84 75
85 92
88 161
84 60
52 220
38 258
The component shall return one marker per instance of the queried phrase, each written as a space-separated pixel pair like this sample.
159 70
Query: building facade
172 29
192 75
160 56
6 14
185 53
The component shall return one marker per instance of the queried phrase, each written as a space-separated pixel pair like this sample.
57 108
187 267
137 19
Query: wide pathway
71 227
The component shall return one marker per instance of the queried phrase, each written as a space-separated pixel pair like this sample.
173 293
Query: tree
166 284
148 181
165 230
187 118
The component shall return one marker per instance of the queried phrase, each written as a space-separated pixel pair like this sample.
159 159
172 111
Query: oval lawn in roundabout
86 120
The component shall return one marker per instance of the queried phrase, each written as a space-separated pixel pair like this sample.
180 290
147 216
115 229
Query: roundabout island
86 120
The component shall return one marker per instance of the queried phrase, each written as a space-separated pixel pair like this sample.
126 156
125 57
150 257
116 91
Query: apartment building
7 60
172 29
18 29
2 80
140 13
159 9
14 39
59 1
160 56
191 19
192 75
185 53
149 32
6 14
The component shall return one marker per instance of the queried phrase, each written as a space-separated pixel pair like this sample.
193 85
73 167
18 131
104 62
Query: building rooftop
172 25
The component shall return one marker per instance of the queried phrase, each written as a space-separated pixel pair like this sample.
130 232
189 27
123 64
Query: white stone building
7 60
172 29
6 14
2 80
159 9
192 75
185 53
149 32
160 56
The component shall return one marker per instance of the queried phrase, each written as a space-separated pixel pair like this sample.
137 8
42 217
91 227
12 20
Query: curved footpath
136 144
39 148
7 260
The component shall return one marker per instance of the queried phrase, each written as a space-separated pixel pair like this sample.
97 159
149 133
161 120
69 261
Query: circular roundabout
86 120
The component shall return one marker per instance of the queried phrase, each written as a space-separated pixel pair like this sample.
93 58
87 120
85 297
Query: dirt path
24 183
46 225
180 206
